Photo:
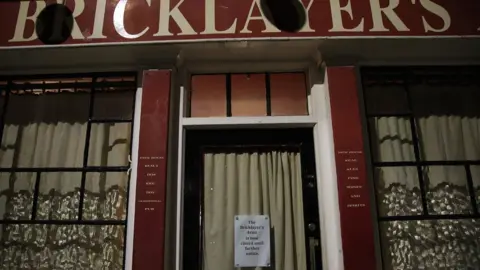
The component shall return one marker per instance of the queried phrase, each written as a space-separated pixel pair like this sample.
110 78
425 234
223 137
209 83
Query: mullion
426 163
63 222
429 217
87 148
416 145
471 189
268 94
228 86
35 196
4 110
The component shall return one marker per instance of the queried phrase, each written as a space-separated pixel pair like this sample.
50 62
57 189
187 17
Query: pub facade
168 134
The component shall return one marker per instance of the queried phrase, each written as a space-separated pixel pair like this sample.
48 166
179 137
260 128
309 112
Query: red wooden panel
208 96
209 20
249 95
288 94
355 212
149 227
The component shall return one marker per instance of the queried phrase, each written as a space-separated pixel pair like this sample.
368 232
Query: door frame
198 141
319 119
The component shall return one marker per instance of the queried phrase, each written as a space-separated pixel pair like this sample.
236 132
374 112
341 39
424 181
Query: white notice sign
252 241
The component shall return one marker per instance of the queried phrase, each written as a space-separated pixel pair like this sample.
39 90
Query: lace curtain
447 121
50 131
254 183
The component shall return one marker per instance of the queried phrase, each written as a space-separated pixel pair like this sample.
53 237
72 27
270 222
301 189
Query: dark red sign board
354 199
149 227
173 21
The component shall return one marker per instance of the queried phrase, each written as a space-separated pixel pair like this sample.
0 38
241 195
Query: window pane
59 196
16 195
249 95
208 96
113 105
447 190
386 99
253 183
288 94
45 130
391 139
398 191
77 247
105 196
109 144
431 245
448 118
476 183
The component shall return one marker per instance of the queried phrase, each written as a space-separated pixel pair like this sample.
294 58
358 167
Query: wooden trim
356 219
248 122
149 226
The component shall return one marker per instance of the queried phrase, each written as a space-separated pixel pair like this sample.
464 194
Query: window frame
85 168
228 91
418 163
299 139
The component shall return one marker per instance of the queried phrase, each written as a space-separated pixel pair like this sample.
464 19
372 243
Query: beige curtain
448 130
50 131
253 183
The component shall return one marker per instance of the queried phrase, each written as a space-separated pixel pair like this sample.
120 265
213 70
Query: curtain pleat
253 183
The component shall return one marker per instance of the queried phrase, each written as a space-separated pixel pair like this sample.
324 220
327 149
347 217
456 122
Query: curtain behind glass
250 183
50 131
448 128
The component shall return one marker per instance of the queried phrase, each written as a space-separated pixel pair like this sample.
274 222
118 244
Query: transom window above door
257 94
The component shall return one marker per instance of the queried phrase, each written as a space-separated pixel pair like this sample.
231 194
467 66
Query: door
267 172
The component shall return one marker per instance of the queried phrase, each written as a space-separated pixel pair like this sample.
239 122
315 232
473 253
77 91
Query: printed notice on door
252 241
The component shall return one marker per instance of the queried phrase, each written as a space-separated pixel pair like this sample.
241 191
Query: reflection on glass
109 144
16 195
391 139
386 99
288 94
208 97
431 244
448 118
45 130
105 196
447 190
58 196
475 170
248 95
113 105
398 191
81 247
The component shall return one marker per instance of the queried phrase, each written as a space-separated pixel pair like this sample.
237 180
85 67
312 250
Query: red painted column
149 230
355 211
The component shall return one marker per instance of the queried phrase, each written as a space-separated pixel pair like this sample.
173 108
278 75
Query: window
257 94
65 143
424 126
